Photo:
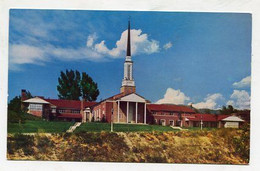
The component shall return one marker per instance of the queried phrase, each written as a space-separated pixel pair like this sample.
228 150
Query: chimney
23 95
82 110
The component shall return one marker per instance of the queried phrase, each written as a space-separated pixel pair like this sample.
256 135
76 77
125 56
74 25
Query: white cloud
139 44
167 45
174 97
240 99
210 102
245 82
91 39
27 54
24 54
39 51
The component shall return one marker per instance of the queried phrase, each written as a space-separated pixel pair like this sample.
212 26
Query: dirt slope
218 146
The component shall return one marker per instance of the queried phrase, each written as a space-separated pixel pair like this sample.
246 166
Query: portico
131 109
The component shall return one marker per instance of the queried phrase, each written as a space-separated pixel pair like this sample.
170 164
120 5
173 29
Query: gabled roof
70 104
121 95
59 103
233 119
36 100
203 117
169 107
133 97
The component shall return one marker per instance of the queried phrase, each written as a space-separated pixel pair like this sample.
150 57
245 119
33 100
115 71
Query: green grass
34 126
97 127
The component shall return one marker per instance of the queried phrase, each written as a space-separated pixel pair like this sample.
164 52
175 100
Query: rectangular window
62 111
35 107
128 72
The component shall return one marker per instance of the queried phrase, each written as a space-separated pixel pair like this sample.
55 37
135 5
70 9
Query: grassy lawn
97 127
34 126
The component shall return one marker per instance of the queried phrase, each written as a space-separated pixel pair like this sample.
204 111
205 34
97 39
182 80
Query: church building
127 106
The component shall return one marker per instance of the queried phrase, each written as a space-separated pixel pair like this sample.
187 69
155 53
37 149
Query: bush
242 143
20 141
14 117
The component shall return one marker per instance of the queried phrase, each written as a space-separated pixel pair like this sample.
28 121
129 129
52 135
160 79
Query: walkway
72 128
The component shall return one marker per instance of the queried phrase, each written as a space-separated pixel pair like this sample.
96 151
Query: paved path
72 128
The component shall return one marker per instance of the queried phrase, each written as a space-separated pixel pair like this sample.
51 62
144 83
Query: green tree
228 110
69 85
89 88
15 113
73 85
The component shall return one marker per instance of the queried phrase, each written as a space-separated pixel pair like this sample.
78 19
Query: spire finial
128 50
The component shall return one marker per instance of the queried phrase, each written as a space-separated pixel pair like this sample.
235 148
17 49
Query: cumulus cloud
139 44
210 101
39 51
91 39
167 45
245 82
173 96
239 99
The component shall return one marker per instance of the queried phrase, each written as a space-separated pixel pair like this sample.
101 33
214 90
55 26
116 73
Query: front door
131 113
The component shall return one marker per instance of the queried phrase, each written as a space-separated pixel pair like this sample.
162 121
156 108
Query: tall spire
128 50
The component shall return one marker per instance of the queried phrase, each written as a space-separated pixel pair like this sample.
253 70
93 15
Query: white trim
145 113
162 120
170 122
127 111
136 111
118 109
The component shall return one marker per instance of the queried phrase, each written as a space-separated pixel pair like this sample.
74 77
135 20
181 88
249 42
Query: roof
70 104
203 117
213 117
133 97
233 119
169 107
36 100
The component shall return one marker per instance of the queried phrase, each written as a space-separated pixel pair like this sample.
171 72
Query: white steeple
128 65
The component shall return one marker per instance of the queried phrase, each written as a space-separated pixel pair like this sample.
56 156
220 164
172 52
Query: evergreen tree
73 85
69 85
89 88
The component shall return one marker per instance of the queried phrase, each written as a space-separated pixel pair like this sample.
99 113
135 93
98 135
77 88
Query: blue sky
180 58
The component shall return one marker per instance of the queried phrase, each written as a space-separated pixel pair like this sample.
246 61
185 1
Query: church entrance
131 118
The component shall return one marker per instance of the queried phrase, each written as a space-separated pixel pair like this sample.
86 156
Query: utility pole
112 110
201 122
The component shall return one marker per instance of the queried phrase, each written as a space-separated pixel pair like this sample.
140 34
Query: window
37 107
75 111
62 111
171 113
128 72
53 110
171 123
162 122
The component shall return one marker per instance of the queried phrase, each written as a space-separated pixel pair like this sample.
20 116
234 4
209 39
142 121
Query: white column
118 109
145 113
127 111
136 110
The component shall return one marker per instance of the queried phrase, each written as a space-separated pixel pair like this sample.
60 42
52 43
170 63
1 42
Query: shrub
20 141
44 143
242 143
